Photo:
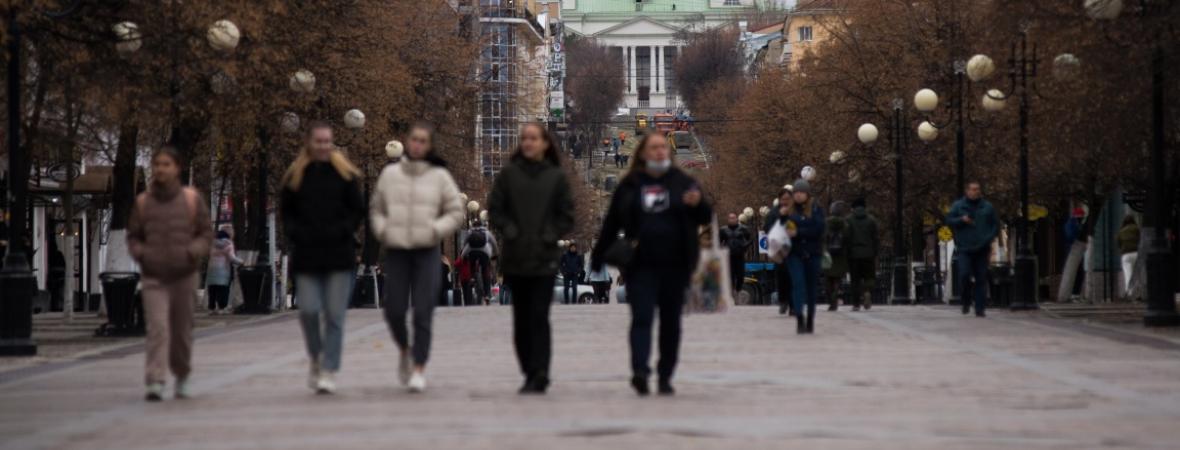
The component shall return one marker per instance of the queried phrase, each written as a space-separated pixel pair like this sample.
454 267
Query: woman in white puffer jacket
416 204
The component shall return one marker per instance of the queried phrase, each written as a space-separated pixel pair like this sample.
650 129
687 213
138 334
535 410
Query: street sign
763 243
944 234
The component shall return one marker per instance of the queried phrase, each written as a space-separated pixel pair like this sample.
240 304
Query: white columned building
643 34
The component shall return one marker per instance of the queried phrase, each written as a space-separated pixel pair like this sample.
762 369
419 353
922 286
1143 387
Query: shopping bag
778 242
710 291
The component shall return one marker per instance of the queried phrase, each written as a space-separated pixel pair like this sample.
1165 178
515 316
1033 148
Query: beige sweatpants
168 307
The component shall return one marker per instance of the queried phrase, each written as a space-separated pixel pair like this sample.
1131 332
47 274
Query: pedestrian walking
478 250
219 275
321 208
659 209
736 237
572 266
974 223
805 224
531 207
168 234
1129 247
416 204
601 281
835 253
782 275
863 245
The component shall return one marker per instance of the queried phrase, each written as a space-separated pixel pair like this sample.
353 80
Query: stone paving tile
905 377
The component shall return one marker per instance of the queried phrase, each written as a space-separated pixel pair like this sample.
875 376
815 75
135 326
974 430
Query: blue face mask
659 166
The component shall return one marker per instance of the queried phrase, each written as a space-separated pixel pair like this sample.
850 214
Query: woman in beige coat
416 204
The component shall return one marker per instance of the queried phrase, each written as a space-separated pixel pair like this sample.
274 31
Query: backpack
477 239
835 242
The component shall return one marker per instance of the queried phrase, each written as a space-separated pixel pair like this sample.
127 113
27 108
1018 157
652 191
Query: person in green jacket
531 207
1129 248
864 243
836 250
974 223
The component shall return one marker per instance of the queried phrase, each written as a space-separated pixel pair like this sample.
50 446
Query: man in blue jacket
572 267
975 225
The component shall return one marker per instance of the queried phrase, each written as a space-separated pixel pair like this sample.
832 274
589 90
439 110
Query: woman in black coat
530 208
659 209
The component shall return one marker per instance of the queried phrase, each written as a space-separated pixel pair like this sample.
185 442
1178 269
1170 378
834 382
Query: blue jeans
323 300
649 289
974 264
804 283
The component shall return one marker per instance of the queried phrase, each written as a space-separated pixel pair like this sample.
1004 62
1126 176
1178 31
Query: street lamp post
17 283
899 137
1161 298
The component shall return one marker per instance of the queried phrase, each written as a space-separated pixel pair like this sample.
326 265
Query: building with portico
643 33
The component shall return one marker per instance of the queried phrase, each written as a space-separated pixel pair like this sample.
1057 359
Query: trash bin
1001 279
124 307
926 280
257 290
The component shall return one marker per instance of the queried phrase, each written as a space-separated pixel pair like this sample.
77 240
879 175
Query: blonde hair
293 179
808 207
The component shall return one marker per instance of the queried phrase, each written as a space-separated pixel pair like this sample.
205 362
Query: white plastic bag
710 290
778 242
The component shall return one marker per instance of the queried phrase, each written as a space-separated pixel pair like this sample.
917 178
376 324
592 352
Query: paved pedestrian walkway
903 377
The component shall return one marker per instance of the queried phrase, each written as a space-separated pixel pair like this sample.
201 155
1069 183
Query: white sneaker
182 391
417 382
405 368
155 392
313 376
326 384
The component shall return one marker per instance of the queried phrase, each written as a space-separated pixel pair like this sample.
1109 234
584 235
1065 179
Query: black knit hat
859 202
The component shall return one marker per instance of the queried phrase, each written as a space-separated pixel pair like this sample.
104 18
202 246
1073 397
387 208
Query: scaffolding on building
500 74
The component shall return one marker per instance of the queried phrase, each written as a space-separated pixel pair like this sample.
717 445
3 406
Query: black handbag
620 253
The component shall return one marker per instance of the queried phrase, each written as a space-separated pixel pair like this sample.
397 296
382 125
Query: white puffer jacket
416 205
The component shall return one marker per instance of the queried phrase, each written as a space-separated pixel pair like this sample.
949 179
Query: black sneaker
666 388
856 308
535 386
980 314
782 308
640 385
832 307
966 308
800 327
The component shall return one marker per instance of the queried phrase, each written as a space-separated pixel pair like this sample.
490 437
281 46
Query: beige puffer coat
416 205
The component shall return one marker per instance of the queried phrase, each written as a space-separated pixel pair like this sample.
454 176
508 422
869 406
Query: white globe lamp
130 39
223 35
994 101
354 119
980 67
302 81
867 134
395 150
926 100
927 131
1103 9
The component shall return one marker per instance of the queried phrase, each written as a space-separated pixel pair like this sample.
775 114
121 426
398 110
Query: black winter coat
530 208
626 213
320 220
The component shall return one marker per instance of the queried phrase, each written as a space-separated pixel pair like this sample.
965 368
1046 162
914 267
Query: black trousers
737 271
481 264
649 290
782 281
531 298
218 296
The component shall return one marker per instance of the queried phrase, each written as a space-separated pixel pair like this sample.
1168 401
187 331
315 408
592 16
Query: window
733 3
804 34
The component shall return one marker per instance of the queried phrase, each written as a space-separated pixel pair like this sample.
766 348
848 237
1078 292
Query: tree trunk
1077 252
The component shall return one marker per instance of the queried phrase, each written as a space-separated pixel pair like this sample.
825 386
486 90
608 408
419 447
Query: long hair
808 206
550 144
637 161
293 179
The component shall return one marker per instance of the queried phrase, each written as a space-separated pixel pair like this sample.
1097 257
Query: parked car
585 293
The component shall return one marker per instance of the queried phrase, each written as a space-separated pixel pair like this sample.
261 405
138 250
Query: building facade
807 28
643 34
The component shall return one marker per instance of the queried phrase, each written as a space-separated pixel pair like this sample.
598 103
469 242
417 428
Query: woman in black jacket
531 207
659 209
321 208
